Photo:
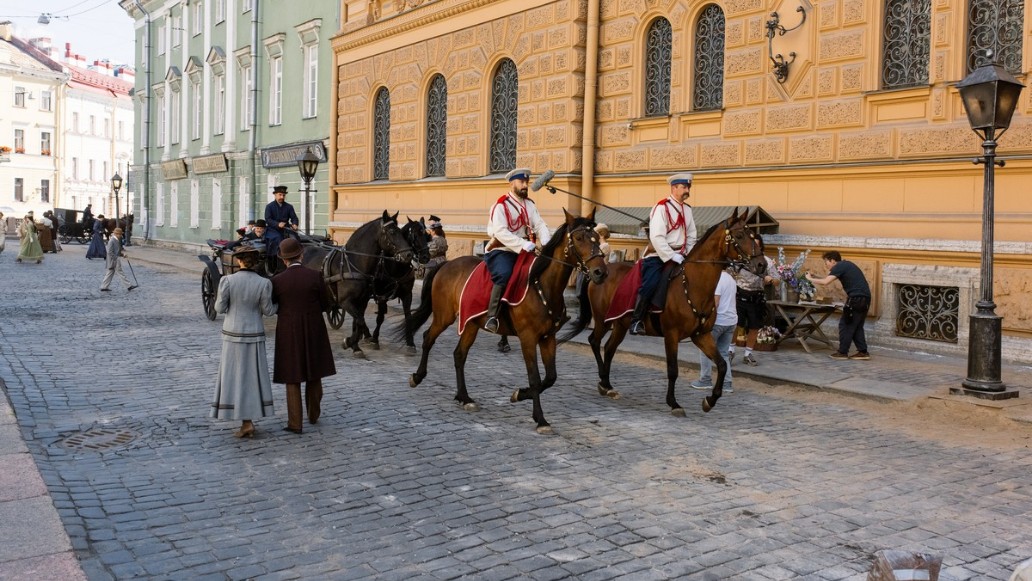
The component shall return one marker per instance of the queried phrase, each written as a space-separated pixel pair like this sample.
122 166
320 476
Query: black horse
349 273
396 279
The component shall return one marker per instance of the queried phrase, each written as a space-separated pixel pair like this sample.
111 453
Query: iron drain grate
98 439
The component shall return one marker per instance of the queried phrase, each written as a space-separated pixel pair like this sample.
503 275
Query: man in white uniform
514 226
671 235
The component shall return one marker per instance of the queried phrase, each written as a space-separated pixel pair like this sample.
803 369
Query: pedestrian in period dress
303 352
96 249
243 390
114 262
29 249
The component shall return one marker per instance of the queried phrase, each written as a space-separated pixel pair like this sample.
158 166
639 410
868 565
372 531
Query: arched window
382 135
436 126
658 51
504 112
906 45
995 25
708 92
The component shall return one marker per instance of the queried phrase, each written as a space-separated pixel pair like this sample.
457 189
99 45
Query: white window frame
198 18
177 30
46 143
176 104
161 38
310 102
248 5
195 203
75 168
216 204
159 212
198 110
19 96
19 140
220 11
46 101
276 90
218 95
75 122
244 193
162 107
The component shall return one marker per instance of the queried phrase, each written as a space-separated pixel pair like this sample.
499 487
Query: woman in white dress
243 389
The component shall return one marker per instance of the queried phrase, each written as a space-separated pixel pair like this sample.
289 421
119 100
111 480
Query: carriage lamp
116 185
308 164
990 95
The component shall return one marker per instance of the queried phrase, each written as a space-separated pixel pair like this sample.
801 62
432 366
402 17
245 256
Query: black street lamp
308 164
116 185
990 95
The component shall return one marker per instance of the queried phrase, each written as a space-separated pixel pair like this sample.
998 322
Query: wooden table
804 322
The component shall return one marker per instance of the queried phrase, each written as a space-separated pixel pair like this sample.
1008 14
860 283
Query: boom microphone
542 180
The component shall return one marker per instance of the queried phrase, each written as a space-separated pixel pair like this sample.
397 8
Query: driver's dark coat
303 350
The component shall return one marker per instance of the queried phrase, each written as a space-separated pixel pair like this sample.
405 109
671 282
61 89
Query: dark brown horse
535 320
396 279
690 309
125 223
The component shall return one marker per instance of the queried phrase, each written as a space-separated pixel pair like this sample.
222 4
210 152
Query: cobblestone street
400 483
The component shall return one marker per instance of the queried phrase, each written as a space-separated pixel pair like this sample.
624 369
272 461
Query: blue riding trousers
651 270
500 264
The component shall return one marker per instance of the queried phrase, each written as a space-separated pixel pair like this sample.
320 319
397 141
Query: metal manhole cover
98 439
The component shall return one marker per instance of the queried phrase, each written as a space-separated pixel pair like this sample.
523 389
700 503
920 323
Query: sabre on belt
542 182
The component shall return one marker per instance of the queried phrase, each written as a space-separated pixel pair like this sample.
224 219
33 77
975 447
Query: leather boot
293 408
492 324
313 397
641 308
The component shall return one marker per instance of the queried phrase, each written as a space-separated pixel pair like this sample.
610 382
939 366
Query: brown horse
535 320
690 309
125 223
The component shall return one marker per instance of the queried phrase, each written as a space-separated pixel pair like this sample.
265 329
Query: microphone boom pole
554 189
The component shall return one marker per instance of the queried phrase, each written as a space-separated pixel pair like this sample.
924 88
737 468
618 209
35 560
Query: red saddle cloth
476 293
626 294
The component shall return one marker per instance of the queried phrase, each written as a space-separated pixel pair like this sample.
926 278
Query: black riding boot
641 308
491 325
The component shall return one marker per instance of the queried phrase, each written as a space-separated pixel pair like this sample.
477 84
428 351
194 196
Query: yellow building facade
860 144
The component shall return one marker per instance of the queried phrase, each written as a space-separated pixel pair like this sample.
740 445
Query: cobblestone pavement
399 483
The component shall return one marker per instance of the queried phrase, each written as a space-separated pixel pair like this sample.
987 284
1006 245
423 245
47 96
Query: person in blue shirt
281 219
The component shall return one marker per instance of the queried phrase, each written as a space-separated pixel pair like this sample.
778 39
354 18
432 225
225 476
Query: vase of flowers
794 284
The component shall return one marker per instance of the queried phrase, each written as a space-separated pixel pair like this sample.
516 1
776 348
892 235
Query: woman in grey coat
243 390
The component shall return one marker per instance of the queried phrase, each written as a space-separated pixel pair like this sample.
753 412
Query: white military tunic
671 229
510 222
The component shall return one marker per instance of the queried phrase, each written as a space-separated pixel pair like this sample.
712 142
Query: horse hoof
358 354
677 412
471 406
706 406
410 350
504 348
515 397
612 394
412 381
545 430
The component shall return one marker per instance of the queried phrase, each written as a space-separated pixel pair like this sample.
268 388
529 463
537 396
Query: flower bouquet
793 275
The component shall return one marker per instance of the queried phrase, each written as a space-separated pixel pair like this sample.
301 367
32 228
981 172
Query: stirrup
491 326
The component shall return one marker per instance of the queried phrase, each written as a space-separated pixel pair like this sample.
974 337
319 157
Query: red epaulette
501 200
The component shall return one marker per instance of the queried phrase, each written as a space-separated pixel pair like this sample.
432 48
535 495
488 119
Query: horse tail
426 308
583 317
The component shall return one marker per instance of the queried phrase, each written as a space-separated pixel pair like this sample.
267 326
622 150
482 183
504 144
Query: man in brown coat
303 352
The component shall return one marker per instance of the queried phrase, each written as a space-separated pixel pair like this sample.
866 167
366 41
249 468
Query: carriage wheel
84 239
65 238
336 316
208 291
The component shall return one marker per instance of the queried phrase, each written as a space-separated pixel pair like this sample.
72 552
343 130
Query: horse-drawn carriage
73 227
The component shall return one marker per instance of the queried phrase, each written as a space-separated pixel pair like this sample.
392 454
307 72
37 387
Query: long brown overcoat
303 350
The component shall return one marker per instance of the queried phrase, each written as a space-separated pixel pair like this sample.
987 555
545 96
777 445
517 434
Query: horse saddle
476 292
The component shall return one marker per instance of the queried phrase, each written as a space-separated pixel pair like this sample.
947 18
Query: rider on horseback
513 225
671 237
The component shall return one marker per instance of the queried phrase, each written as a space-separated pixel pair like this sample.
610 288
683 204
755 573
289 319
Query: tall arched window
995 25
436 126
906 45
504 112
708 92
658 51
382 135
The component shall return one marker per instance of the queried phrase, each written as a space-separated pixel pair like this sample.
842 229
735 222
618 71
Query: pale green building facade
228 94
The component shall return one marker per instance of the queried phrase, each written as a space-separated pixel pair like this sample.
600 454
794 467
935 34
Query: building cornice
404 22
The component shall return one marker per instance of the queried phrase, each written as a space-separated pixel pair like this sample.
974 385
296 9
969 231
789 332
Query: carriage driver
513 225
671 237
281 219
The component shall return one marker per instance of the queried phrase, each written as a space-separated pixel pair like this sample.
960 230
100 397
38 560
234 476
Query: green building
228 94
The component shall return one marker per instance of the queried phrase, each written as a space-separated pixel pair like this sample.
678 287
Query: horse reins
581 264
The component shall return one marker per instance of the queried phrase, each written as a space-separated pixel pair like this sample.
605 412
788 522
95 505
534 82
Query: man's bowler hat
290 249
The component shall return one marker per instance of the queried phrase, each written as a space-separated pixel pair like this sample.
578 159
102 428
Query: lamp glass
308 164
990 95
116 182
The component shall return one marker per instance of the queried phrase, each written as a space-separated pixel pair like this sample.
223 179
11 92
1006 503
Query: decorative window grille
436 126
505 98
658 52
708 93
995 25
906 43
928 312
382 135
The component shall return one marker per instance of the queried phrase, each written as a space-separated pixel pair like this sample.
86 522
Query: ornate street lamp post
990 95
116 185
308 164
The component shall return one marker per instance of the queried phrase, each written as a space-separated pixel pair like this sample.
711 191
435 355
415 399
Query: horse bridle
731 240
582 263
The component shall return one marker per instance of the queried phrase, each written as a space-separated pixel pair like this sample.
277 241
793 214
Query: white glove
678 258
529 246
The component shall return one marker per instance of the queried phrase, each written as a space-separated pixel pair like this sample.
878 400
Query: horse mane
710 231
549 249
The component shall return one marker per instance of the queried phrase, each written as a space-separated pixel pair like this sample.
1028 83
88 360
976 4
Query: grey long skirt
243 390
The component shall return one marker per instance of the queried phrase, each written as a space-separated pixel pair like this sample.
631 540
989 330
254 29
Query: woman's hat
244 249
290 249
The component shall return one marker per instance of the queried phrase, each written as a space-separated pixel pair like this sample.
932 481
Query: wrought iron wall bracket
774 27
